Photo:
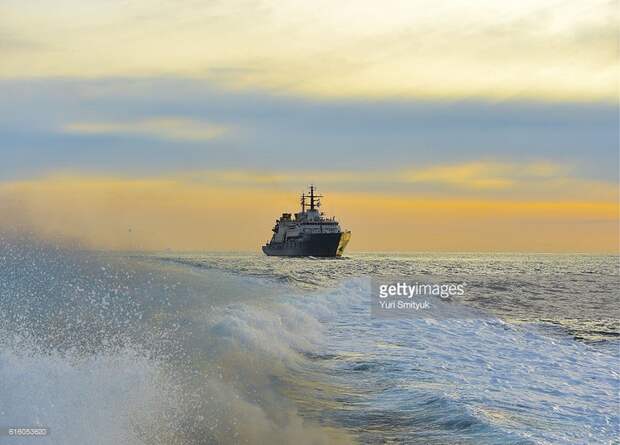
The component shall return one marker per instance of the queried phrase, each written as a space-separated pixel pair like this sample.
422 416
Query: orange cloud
484 175
522 181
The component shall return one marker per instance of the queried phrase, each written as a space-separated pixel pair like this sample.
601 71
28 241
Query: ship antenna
303 202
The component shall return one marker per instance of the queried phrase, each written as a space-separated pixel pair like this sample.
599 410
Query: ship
307 233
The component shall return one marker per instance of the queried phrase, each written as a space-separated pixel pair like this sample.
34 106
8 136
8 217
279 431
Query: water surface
241 348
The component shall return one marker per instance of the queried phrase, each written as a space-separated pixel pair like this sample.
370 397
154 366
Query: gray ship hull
317 245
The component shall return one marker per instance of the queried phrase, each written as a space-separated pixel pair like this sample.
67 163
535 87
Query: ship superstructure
307 233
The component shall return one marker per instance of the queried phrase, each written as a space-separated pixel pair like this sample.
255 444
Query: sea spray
105 349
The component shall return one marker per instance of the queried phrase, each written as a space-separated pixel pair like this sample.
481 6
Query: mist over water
180 349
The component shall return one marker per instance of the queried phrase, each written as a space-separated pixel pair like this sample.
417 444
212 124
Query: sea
239 348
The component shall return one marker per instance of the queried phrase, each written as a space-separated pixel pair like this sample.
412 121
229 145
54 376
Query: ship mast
314 199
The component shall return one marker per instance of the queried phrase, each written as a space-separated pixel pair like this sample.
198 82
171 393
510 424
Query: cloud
485 174
407 48
160 128
483 179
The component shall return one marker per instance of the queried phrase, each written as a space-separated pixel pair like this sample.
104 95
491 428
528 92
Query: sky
428 125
